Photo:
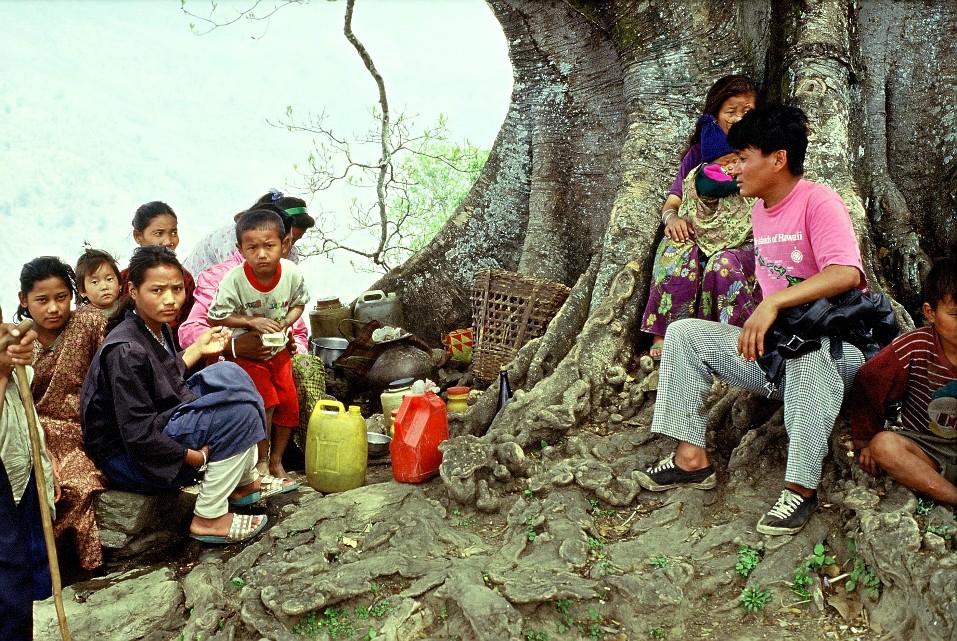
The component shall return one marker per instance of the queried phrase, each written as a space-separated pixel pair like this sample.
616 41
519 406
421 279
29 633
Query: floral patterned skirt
687 284
80 482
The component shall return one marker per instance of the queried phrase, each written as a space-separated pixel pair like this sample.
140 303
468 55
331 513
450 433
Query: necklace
158 337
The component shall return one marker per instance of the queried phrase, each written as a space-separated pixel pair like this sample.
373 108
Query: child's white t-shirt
240 293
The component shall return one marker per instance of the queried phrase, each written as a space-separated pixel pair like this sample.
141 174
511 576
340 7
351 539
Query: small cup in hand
274 339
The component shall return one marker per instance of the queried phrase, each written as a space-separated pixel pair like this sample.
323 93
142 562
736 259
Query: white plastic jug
375 304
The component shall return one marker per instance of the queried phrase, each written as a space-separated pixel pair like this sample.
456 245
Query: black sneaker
789 514
665 475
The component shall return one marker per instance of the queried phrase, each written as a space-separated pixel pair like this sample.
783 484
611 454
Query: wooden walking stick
27 398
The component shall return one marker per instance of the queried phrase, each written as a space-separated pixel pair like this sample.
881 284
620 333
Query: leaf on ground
847 604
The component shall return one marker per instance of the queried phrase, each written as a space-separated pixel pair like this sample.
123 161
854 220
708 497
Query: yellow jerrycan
336 448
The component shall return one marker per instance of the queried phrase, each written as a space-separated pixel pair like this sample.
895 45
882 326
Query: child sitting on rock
919 371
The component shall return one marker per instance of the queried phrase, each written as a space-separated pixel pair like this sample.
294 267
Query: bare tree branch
384 130
403 211
248 14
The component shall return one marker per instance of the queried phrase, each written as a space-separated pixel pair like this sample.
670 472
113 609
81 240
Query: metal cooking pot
378 444
329 348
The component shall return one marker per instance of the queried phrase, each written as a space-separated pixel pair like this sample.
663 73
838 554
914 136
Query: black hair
771 128
279 211
723 88
941 282
40 269
146 213
263 217
143 259
301 220
90 261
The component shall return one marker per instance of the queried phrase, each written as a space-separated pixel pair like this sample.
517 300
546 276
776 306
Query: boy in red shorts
265 294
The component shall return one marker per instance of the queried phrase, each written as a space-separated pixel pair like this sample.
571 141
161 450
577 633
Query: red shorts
273 380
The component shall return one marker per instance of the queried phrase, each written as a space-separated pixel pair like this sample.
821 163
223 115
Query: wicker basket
509 310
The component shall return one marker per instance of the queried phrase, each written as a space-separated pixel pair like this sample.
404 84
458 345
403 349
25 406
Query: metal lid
331 301
400 383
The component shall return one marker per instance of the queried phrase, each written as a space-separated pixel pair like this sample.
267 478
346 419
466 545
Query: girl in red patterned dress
65 345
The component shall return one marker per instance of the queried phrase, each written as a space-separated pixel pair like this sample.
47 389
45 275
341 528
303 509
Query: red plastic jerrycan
420 425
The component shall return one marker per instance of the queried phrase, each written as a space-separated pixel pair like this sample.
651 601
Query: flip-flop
241 529
658 347
269 486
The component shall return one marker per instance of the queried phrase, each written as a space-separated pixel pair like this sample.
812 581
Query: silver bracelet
232 346
667 213
202 468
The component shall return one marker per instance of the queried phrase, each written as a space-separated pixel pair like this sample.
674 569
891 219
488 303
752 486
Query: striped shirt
913 370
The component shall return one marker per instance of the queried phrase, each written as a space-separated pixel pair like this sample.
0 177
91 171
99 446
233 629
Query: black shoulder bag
866 321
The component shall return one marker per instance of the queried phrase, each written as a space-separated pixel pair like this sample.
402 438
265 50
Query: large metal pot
329 348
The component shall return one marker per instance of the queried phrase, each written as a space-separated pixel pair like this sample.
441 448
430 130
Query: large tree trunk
605 96
538 522
542 203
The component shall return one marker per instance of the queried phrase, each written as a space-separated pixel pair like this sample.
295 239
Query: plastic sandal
269 486
245 501
241 529
272 486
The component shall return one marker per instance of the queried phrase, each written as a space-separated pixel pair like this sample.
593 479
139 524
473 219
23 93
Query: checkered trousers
812 389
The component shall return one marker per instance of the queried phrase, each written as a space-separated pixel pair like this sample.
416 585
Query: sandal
269 486
272 485
247 500
241 529
655 351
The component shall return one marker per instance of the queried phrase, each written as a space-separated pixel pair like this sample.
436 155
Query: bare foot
220 525
276 469
656 346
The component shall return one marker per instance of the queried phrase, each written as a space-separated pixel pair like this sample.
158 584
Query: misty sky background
106 105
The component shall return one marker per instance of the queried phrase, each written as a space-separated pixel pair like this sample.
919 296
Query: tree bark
541 205
605 96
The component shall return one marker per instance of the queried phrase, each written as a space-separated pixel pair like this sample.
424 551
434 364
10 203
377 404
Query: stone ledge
131 523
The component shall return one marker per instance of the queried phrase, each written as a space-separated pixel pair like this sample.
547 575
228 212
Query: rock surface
560 543
131 523
121 607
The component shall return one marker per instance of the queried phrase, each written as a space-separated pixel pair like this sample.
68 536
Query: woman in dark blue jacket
150 430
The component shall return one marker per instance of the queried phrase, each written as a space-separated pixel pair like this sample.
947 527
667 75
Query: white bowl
275 339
